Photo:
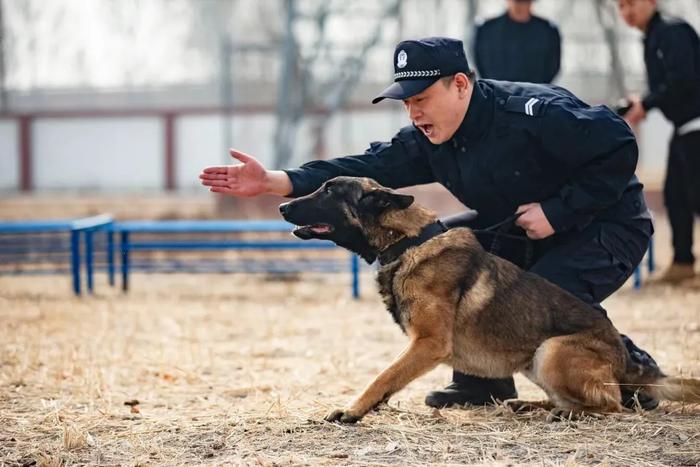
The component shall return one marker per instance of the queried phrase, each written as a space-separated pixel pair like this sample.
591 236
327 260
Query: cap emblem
401 59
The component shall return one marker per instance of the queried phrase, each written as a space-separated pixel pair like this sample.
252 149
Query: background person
498 147
672 59
518 46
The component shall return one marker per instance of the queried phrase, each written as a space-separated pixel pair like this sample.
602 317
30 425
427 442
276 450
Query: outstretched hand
247 179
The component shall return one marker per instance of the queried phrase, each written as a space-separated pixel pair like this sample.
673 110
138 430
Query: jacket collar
479 115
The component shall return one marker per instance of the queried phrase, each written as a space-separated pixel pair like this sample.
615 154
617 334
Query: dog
472 310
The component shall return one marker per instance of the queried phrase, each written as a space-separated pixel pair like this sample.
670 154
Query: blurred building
129 95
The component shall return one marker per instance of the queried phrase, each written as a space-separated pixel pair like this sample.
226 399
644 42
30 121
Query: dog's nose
283 208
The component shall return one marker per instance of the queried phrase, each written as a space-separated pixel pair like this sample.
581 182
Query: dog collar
392 252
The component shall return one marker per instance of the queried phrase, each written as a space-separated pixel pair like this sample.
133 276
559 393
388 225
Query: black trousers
590 264
682 193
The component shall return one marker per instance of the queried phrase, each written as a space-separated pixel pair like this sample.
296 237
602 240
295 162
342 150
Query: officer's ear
462 82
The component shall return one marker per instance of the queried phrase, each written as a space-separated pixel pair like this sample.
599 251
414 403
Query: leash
498 231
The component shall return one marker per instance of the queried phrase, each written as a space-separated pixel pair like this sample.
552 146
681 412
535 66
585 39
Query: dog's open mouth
309 231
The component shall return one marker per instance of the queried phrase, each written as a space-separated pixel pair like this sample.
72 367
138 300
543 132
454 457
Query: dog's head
356 213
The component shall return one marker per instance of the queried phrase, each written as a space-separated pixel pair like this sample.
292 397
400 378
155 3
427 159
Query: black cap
419 63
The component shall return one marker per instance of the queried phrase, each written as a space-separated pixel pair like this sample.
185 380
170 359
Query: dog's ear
378 200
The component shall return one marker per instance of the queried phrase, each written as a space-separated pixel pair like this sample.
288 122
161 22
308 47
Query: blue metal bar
110 257
61 225
189 226
75 260
88 259
355 266
638 277
125 260
241 245
650 255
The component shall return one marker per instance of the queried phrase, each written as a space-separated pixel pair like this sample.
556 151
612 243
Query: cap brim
404 89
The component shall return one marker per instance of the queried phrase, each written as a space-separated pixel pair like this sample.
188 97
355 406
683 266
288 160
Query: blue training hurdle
87 227
651 265
75 227
126 243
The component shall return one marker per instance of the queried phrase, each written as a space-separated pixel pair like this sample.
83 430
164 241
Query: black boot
471 390
642 358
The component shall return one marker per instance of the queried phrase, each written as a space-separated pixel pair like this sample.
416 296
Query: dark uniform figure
510 50
519 143
672 58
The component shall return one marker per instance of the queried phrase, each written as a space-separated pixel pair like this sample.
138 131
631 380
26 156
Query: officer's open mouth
307 231
426 128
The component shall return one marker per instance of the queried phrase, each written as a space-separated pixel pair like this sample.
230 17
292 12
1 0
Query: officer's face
637 13
439 110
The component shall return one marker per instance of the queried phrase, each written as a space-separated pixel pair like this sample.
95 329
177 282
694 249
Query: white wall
127 153
653 138
351 133
100 153
9 155
200 139
200 143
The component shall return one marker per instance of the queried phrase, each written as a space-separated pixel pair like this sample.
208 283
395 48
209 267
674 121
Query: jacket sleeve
680 70
596 154
400 163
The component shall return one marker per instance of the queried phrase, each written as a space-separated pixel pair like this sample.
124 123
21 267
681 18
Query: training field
235 369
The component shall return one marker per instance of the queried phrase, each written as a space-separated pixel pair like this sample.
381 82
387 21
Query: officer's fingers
241 156
213 176
224 190
523 222
219 183
220 169
533 234
525 207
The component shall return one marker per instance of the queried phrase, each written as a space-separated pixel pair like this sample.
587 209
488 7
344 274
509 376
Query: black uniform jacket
519 143
507 50
672 57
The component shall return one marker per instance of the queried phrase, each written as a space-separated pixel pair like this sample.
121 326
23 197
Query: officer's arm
554 55
680 69
595 153
400 163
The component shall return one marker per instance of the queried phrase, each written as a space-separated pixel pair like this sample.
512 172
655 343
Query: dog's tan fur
482 315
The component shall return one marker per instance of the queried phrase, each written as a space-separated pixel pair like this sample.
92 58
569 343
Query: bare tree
608 21
300 89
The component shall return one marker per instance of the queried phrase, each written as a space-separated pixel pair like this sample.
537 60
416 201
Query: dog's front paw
342 416
516 405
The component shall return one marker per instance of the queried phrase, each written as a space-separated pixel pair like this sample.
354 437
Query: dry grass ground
234 369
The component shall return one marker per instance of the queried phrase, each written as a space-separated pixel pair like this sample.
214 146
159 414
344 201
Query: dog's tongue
313 228
320 228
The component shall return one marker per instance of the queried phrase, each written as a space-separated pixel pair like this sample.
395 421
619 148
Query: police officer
518 46
498 147
672 58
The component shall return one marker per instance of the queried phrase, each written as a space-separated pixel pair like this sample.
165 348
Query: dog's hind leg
578 373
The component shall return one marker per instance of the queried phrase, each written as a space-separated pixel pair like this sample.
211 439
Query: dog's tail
675 389
652 382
